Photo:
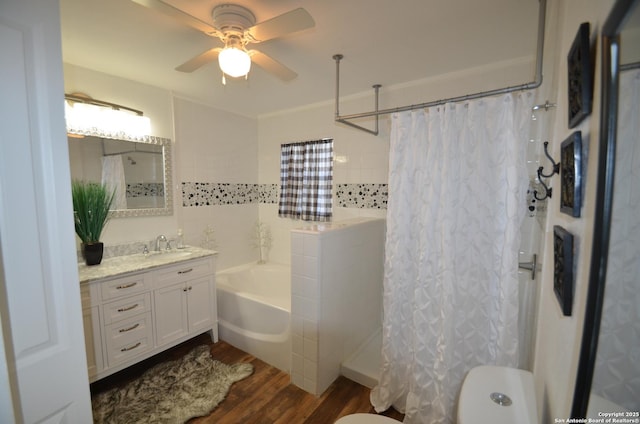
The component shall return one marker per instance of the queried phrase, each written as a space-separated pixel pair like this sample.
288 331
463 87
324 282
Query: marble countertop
117 265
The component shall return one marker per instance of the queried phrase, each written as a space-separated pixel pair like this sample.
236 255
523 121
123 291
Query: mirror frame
168 179
604 202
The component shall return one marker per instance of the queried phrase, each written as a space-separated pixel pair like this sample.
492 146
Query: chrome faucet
160 238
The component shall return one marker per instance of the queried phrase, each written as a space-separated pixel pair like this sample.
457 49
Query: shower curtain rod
630 66
344 119
135 150
132 151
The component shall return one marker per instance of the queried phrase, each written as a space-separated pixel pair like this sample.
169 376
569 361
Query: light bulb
234 62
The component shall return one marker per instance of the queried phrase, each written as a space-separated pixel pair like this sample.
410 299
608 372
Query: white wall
559 337
213 146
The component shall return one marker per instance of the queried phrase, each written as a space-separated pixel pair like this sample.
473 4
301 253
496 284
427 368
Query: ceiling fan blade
272 66
179 15
287 23
200 60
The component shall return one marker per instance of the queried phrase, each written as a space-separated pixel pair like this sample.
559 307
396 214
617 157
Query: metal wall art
571 174
563 268
580 74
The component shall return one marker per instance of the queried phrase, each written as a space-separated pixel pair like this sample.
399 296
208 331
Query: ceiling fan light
234 62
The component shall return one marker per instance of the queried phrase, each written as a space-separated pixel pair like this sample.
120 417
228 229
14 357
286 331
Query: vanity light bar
83 98
87 116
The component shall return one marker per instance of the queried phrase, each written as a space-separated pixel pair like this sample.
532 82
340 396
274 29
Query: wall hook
547 190
555 170
556 166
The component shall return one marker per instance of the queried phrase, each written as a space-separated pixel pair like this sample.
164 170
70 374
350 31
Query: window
306 173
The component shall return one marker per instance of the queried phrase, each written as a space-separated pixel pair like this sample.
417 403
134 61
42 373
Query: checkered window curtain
306 172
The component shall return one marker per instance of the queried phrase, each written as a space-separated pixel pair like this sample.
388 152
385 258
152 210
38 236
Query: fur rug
171 392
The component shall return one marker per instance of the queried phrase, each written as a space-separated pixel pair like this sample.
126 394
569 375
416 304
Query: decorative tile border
365 196
209 194
145 189
370 196
269 193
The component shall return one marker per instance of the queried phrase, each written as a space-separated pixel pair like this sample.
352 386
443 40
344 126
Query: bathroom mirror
608 378
139 170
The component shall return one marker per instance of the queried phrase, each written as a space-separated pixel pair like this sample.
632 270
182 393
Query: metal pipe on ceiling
344 119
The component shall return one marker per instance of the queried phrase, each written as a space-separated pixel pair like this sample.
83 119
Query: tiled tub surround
372 196
336 304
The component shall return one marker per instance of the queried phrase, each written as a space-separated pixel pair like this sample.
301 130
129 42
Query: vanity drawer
125 308
128 338
183 272
125 286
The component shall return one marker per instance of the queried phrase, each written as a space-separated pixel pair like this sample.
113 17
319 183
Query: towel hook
556 166
547 190
555 170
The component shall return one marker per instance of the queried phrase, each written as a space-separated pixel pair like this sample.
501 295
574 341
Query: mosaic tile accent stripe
208 194
145 189
269 193
365 196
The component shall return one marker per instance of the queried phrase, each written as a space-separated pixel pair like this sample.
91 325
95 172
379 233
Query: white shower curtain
457 190
113 177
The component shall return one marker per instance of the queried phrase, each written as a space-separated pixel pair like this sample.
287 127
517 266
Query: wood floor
266 396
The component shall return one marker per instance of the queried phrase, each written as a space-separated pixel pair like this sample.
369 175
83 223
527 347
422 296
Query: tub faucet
159 239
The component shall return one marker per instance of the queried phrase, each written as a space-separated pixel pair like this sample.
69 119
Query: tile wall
336 303
370 196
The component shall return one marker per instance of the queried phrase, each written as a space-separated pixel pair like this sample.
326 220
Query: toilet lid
366 419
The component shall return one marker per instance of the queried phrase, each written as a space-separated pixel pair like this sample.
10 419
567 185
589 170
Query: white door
40 309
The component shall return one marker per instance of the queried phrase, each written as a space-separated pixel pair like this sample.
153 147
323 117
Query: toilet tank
497 395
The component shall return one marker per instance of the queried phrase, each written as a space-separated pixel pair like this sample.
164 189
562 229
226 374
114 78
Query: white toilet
489 394
366 419
497 395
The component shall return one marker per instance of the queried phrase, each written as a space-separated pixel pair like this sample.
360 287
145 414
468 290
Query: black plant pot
92 253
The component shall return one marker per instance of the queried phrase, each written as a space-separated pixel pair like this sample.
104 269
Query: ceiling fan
236 27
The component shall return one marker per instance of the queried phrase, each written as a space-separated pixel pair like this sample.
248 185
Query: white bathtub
254 309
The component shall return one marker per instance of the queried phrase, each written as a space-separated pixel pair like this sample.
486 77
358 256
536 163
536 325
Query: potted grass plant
91 203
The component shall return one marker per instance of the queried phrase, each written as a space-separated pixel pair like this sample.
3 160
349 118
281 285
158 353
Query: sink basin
170 254
139 261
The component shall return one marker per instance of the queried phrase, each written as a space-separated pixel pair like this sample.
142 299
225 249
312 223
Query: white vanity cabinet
182 298
92 334
131 316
